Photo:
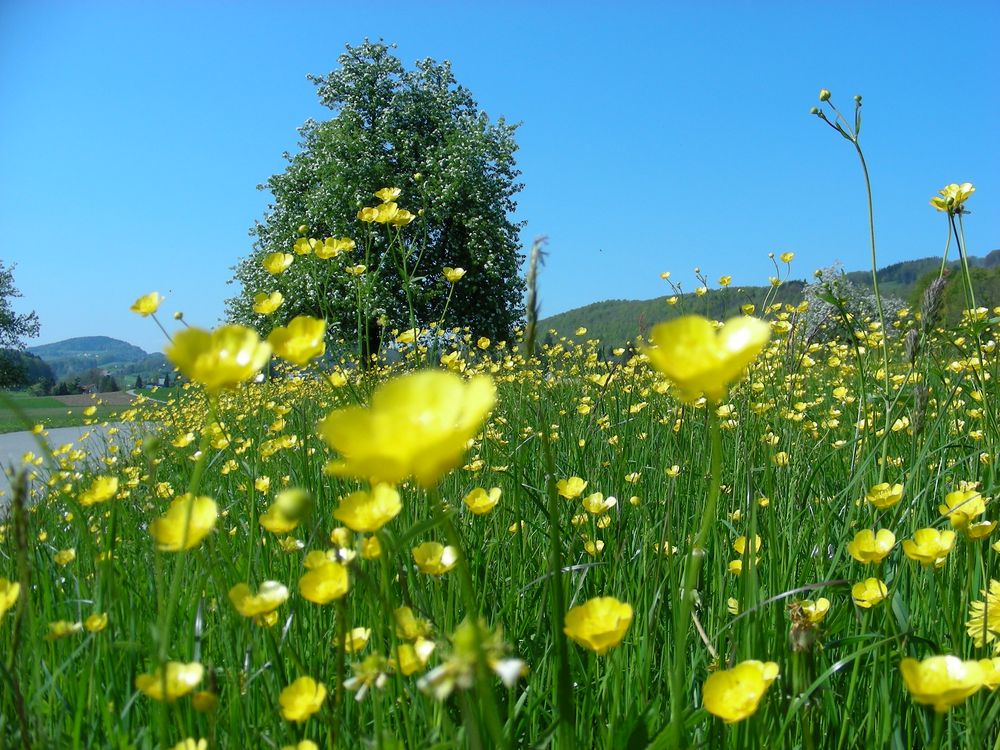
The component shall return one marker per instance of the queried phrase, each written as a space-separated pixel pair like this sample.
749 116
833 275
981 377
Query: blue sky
655 137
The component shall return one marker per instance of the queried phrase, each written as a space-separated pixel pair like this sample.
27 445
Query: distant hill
618 322
78 355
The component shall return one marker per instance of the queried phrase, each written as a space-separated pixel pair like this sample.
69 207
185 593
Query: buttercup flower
701 360
219 359
9 591
417 425
941 681
452 275
187 521
265 304
62 629
147 304
434 558
952 197
191 744
277 263
479 501
871 547
302 699
388 194
177 680
869 592
301 340
815 611
884 495
101 489
325 583
571 488
356 639
929 546
598 624
96 623
268 598
369 511
734 694
961 506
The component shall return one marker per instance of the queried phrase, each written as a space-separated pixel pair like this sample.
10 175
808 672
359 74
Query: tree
417 130
14 329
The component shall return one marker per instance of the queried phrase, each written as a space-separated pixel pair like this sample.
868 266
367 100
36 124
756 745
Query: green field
19 411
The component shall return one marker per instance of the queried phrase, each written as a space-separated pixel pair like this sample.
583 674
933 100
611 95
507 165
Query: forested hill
618 322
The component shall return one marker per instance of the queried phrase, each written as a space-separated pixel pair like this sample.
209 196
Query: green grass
26 411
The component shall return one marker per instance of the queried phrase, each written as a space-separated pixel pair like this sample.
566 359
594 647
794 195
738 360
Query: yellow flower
869 592
187 521
740 544
417 425
701 360
815 611
147 304
303 745
95 623
734 694
371 548
962 506
357 270
991 672
596 503
219 359
984 618
434 558
300 341
786 257
268 598
871 547
275 520
386 212
980 530
409 627
368 215
413 657
325 583
483 343
388 194
176 681
64 557
369 511
303 246
479 501
191 744
571 488
725 280
302 699
101 489
276 263
356 639
453 274
885 495
265 304
331 248
952 197
62 629
941 681
599 624
929 546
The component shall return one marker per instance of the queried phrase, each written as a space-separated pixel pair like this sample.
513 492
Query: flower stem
687 593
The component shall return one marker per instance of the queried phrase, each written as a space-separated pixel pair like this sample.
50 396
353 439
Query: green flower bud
824 95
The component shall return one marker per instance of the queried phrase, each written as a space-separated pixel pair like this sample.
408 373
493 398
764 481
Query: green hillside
618 322
78 355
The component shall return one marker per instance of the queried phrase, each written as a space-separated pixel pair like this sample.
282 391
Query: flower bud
857 98
418 177
814 111
824 95
303 229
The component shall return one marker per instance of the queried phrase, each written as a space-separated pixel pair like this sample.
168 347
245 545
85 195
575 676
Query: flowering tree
416 130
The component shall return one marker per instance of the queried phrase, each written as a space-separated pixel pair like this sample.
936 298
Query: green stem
687 594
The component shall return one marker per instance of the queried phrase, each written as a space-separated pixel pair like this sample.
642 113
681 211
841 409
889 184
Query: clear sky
655 136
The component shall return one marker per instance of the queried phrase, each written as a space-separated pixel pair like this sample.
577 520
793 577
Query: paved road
14 445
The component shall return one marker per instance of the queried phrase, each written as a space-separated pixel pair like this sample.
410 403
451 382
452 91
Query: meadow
763 532
19 411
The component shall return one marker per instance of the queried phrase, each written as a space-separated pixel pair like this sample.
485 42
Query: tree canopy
417 130
14 328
